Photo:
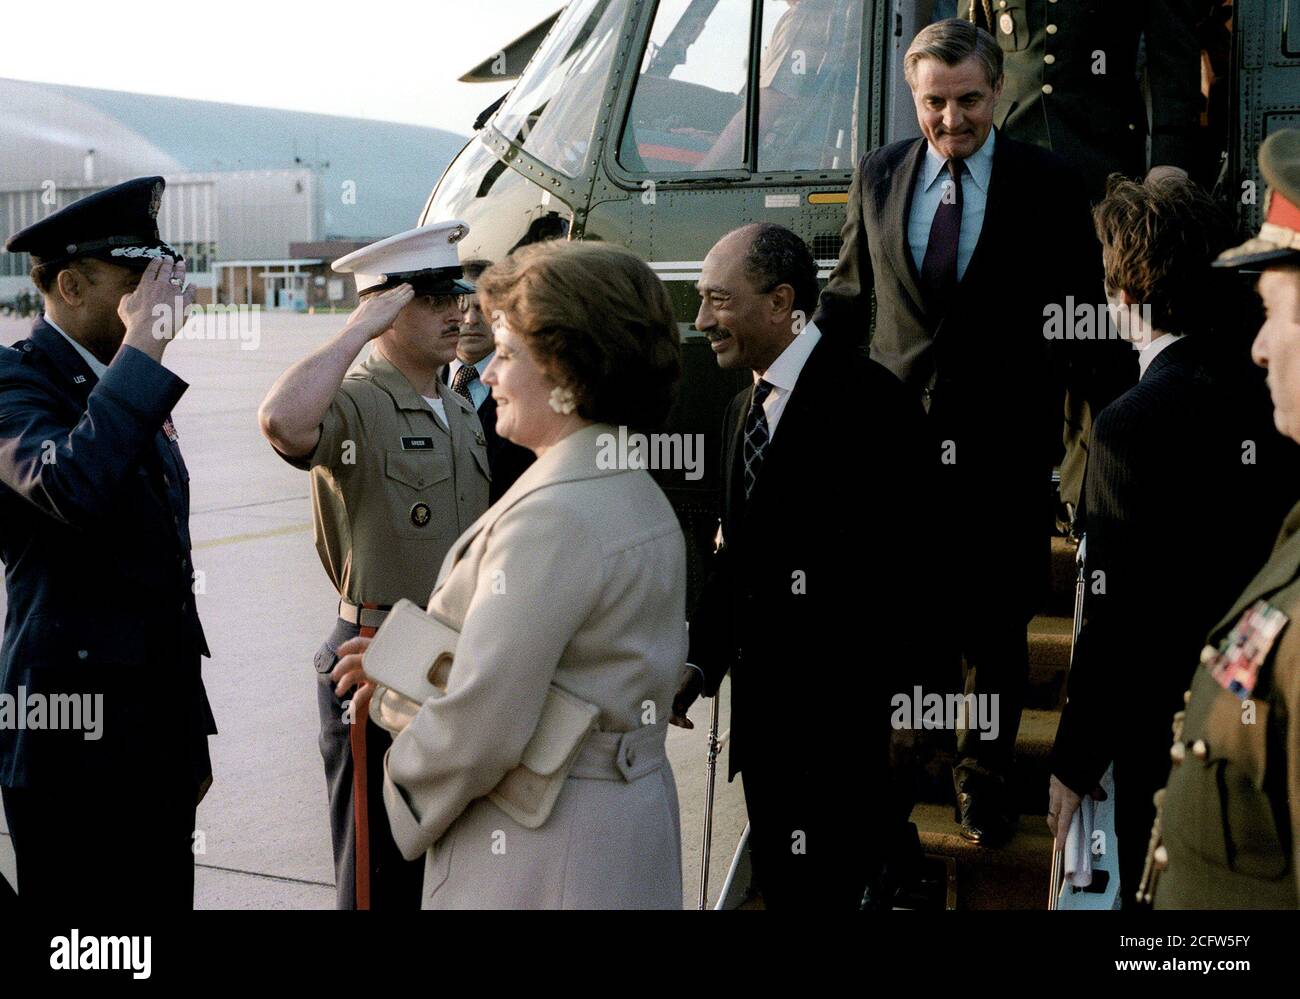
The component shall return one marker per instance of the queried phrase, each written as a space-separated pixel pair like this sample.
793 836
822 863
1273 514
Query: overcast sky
395 60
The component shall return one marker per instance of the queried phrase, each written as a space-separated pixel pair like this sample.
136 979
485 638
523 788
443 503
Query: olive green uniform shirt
1230 820
1072 80
392 487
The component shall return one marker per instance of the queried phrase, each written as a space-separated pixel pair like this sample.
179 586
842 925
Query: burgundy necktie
939 269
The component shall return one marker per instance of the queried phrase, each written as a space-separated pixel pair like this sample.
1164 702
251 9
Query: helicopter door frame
866 134
575 192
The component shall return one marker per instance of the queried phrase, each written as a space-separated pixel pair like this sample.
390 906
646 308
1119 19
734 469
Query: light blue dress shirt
478 392
929 193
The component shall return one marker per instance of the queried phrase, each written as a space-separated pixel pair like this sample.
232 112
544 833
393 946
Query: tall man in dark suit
812 599
94 532
969 241
1186 467
474 352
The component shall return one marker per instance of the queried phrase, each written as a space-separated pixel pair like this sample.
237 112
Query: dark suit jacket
94 533
1178 523
995 380
506 461
815 594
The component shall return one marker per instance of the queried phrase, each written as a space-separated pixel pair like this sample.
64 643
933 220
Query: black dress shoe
982 821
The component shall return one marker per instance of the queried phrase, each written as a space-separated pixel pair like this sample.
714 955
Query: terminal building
259 200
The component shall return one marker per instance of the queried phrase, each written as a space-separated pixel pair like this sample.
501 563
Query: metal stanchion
711 770
1080 584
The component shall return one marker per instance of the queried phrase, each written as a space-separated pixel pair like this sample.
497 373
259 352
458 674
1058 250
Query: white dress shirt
93 362
1149 353
930 187
783 374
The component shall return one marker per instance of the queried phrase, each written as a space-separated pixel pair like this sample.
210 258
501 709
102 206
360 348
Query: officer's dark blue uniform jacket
94 534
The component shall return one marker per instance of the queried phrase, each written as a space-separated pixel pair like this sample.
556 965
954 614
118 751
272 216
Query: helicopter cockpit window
808 82
688 110
552 110
689 100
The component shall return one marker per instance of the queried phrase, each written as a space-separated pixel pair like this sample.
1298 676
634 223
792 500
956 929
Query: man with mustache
937 228
399 468
475 349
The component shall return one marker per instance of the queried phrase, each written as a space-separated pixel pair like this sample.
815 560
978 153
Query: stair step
1029 775
1013 876
1060 597
1049 660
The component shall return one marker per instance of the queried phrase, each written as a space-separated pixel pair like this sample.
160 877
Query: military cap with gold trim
118 224
425 258
1278 241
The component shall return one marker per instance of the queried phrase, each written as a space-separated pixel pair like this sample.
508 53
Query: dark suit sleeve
73 471
1085 739
712 642
1174 69
844 310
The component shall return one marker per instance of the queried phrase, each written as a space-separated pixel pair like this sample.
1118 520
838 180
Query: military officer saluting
1227 831
94 532
399 468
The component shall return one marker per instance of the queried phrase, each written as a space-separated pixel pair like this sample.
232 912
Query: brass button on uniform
1161 857
1051 29
1200 750
1187 697
1047 88
1178 752
1049 59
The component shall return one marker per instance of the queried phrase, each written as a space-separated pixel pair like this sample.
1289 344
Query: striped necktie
756 435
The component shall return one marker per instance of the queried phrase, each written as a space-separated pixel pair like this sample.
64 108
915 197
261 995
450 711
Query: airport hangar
259 200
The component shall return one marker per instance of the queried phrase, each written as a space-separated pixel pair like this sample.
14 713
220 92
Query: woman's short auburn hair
1158 240
599 322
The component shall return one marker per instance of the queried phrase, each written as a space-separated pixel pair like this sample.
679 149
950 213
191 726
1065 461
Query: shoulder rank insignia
1235 666
169 429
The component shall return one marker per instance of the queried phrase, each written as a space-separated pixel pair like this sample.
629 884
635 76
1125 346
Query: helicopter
653 124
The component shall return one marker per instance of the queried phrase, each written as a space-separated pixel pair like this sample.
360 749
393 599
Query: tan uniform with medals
392 487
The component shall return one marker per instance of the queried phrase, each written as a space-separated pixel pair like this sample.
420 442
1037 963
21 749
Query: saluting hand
376 313
349 672
155 312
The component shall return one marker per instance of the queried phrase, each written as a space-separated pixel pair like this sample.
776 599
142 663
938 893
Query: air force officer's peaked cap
118 224
1278 241
425 258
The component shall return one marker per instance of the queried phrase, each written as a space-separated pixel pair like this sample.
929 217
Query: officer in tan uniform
399 469
1227 830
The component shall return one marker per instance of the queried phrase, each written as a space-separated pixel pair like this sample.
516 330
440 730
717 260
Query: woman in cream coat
575 577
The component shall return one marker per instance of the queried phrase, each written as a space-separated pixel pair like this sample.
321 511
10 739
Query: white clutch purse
412 655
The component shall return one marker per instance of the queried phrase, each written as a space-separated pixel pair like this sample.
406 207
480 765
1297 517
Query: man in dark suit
474 352
1073 86
965 294
94 531
812 599
1186 470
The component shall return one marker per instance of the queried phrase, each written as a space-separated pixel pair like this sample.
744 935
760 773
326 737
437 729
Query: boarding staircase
1015 875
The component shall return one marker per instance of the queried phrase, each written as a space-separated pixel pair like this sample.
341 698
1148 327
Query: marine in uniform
399 469
1072 86
94 533
1227 829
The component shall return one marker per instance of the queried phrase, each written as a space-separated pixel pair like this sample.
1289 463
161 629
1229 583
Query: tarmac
266 605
